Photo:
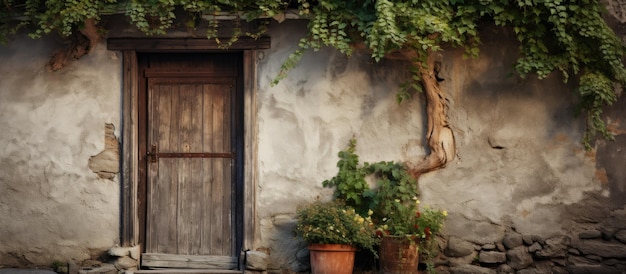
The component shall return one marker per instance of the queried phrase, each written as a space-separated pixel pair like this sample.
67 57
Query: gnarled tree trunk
439 135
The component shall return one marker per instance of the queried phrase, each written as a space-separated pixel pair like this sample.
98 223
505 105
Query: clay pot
398 255
331 258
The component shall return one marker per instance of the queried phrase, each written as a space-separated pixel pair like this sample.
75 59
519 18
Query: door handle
153 154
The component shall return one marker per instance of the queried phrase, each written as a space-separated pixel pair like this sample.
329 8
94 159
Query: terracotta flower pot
331 258
398 255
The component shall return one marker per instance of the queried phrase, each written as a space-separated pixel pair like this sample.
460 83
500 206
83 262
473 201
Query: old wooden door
192 138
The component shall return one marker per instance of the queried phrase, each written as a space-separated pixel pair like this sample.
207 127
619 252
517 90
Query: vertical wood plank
184 182
173 182
152 187
227 92
129 176
197 176
217 192
250 146
207 188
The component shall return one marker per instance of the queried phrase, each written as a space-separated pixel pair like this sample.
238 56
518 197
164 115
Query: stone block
554 248
621 236
594 258
607 233
545 265
458 248
534 248
590 234
456 261
488 247
559 261
528 239
586 269
617 219
532 271
578 260
470 269
505 269
492 257
500 247
73 268
102 269
512 240
573 251
538 239
257 260
601 248
519 258
125 263
588 212
613 262
131 251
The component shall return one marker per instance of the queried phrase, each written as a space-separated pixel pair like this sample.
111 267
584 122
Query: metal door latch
153 154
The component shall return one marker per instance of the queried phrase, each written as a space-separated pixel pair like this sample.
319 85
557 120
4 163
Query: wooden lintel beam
185 44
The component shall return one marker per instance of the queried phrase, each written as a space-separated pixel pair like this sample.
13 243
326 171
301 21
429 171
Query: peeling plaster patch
106 163
601 176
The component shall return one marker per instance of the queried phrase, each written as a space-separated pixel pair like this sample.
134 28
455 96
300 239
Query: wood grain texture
160 260
190 210
130 170
184 44
250 140
439 134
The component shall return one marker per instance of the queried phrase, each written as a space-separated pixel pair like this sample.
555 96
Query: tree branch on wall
79 44
439 135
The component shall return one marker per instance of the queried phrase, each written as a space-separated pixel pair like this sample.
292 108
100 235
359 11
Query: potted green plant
334 232
394 206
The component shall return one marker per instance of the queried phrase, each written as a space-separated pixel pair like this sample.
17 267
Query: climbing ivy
566 37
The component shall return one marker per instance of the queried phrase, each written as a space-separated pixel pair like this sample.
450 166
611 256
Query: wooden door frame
130 177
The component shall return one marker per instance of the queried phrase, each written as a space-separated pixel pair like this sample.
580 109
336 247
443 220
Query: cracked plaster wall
52 206
520 162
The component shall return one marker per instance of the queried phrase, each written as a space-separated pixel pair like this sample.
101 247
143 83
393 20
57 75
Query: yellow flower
445 213
397 200
417 202
370 212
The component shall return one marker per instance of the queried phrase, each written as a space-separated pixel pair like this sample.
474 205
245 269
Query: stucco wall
309 116
519 161
52 206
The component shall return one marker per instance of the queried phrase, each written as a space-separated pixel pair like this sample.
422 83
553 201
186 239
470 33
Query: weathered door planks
190 196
